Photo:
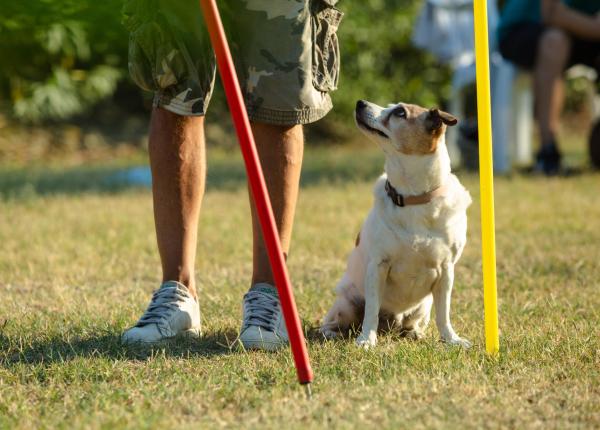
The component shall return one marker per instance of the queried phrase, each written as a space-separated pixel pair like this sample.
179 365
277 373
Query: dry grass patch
78 267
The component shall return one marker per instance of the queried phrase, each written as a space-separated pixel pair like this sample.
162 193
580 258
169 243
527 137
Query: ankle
548 140
262 280
184 279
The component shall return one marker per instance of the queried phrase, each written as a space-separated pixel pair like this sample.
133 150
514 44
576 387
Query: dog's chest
415 260
416 245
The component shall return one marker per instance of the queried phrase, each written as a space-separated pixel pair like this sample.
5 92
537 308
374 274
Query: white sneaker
171 312
263 326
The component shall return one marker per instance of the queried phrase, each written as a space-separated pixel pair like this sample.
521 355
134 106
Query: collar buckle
396 197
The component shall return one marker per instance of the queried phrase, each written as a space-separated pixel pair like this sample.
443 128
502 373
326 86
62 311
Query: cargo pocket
155 60
325 19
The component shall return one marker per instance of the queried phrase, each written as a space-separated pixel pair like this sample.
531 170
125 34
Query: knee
276 133
170 129
554 46
282 145
174 122
175 138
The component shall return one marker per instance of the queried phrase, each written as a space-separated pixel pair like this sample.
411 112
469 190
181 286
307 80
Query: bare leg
553 53
178 163
280 149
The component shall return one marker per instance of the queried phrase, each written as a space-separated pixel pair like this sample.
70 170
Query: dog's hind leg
348 309
415 322
344 314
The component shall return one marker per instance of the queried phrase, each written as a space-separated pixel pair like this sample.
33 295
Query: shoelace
260 310
164 301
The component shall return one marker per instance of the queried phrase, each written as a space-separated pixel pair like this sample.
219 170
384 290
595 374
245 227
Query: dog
405 253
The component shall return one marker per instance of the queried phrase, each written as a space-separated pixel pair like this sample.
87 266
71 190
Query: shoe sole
190 334
263 345
193 333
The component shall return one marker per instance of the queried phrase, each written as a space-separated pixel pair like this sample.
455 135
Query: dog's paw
328 333
412 334
366 342
458 341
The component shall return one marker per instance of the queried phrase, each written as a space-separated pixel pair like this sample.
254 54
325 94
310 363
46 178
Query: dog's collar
421 199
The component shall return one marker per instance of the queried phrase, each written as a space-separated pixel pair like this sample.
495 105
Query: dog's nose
361 104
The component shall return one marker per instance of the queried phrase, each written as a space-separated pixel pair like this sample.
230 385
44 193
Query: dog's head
406 128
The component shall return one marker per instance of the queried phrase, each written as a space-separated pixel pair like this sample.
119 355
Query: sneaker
171 312
548 159
263 326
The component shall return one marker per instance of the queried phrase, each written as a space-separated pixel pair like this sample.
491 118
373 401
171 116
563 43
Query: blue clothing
523 11
517 12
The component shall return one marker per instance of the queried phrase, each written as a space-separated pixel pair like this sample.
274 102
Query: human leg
178 163
552 57
280 149
553 54
286 79
170 54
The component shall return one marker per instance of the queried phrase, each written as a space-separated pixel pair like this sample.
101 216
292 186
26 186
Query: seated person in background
547 37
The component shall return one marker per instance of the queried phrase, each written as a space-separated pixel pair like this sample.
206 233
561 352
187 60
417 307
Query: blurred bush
61 57
380 63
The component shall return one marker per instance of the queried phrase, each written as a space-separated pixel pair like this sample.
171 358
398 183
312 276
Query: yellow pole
486 177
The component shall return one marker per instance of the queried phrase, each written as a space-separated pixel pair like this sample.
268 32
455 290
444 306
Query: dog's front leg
442 292
377 271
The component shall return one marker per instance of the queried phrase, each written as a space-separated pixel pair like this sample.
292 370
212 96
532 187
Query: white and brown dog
407 248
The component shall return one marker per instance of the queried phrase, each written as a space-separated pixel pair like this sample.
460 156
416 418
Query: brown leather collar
421 199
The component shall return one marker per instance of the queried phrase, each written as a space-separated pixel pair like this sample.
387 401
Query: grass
78 263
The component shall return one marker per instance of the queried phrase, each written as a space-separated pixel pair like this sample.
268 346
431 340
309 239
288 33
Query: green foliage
379 61
60 57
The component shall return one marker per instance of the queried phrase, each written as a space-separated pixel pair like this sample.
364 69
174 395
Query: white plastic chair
513 113
512 116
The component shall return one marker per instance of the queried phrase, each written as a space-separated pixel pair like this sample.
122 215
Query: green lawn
78 264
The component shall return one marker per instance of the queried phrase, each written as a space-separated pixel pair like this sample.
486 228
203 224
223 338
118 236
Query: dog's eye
399 112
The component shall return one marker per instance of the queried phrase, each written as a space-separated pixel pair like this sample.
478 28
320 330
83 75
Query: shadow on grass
386 328
224 173
60 350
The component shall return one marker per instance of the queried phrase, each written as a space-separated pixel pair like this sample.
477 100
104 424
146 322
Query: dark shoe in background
548 160
594 145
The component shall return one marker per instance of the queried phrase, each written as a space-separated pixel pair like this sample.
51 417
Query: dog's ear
437 118
445 117
433 122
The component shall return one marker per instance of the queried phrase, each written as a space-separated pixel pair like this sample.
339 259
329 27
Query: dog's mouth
366 126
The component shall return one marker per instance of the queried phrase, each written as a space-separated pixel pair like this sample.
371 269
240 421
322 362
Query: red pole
258 187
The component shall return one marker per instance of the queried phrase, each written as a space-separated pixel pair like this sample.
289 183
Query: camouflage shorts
285 51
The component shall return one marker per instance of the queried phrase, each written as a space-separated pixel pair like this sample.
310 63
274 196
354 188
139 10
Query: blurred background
65 93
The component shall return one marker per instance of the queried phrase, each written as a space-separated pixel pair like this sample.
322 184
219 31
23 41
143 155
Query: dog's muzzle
360 112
